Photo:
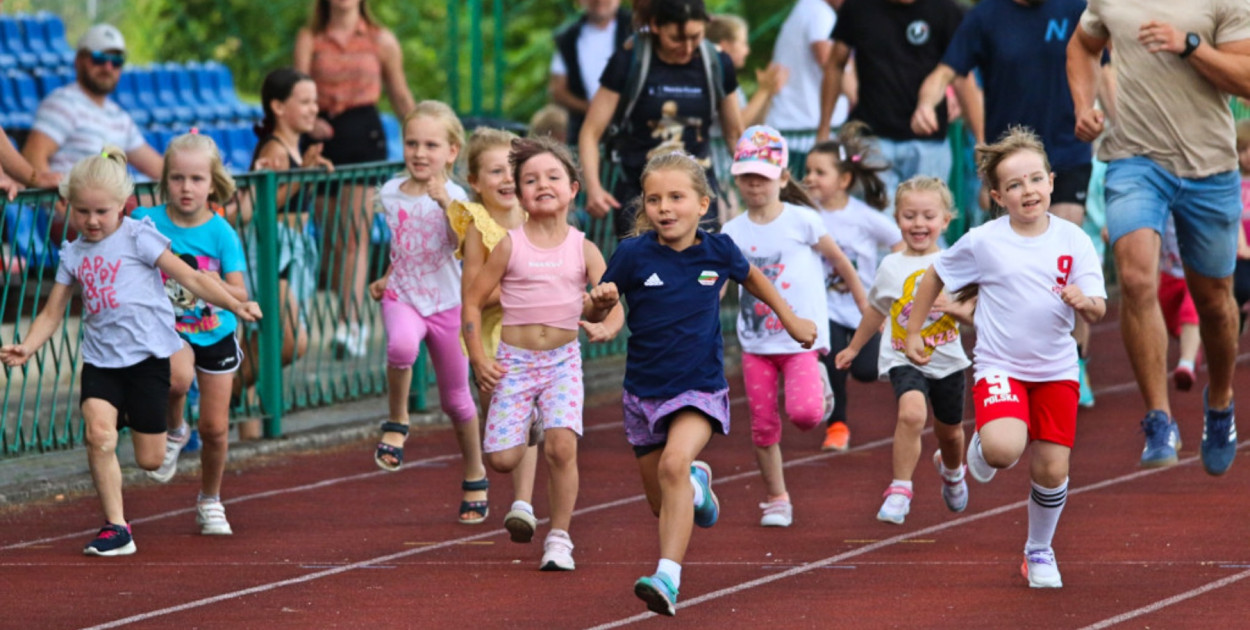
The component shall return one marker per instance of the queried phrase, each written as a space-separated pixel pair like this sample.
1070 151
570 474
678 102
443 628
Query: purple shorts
646 419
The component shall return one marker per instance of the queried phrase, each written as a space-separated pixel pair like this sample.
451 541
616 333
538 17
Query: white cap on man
102 37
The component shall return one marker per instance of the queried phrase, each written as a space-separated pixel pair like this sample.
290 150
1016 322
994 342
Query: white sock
672 570
204 498
179 432
902 484
698 491
1045 506
1183 363
953 476
523 507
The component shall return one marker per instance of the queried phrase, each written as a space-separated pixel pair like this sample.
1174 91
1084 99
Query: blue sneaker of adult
1219 438
705 515
1163 438
658 592
1086 399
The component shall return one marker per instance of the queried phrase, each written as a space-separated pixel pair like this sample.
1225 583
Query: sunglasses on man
100 58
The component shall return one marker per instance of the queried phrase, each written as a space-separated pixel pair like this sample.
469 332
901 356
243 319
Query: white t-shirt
892 294
1170 252
424 271
862 232
1023 327
126 315
797 105
594 47
783 251
80 128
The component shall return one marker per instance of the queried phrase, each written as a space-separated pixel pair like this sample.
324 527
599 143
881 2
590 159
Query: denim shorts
908 158
1207 210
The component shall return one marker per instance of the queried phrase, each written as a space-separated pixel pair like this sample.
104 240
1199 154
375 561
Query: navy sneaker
658 592
1163 438
706 514
113 540
1219 438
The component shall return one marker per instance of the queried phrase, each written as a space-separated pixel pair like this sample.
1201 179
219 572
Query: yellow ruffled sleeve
462 214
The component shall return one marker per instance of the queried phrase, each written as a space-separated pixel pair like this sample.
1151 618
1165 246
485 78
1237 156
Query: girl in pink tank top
542 269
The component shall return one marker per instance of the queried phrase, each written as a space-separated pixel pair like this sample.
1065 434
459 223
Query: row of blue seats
235 140
33 41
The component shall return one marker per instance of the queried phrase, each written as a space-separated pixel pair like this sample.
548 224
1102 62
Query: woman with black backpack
662 92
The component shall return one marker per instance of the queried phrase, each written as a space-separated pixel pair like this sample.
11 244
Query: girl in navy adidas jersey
1032 275
676 396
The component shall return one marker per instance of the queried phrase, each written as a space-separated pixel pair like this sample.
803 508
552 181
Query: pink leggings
406 329
805 398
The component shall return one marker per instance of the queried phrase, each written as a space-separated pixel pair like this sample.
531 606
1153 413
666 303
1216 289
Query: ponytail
104 171
852 153
793 192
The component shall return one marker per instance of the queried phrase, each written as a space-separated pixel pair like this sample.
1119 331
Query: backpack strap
715 78
639 66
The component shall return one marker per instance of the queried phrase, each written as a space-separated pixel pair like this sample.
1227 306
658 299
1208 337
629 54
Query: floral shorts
549 380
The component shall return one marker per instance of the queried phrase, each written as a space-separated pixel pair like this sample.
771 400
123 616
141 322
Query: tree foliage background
253 37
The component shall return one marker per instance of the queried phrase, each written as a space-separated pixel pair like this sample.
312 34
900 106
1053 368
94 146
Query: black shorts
139 392
358 137
1072 185
945 394
222 357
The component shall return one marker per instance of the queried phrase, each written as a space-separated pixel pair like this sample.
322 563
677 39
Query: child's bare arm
926 294
42 329
868 326
210 289
802 330
475 254
488 372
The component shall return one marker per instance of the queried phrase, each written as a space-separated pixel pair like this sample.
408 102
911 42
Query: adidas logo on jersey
654 281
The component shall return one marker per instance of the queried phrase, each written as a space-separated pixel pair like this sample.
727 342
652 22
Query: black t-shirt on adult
895 46
674 108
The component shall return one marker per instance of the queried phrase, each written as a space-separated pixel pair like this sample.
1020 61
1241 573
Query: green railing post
269 363
499 61
453 52
416 391
475 57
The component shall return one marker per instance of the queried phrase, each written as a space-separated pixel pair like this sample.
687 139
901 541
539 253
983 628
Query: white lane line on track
1164 603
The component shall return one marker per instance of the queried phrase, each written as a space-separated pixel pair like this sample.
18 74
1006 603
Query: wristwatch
1192 41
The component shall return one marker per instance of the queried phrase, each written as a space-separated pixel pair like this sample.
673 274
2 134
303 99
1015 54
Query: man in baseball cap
80 119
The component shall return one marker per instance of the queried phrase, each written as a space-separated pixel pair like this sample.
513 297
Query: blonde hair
924 183
484 139
222 187
676 161
552 120
1243 134
443 113
105 171
725 27
1016 139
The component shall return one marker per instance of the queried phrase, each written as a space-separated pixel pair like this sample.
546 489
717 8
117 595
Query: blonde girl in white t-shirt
786 242
1033 275
923 210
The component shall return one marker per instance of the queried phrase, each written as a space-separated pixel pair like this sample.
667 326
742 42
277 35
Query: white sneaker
777 513
828 392
1041 569
980 469
954 493
211 517
896 506
169 465
557 552
358 341
520 525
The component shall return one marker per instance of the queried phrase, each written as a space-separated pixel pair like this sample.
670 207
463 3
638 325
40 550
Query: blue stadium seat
54 35
37 42
12 43
394 138
202 90
45 81
18 118
25 90
127 97
242 143
145 95
184 90
224 83
163 79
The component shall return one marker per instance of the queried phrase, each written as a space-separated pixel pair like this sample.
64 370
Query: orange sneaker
837 437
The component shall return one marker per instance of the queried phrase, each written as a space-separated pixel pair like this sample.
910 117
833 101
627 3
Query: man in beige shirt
1170 150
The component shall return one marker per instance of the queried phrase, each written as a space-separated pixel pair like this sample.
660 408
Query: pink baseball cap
761 150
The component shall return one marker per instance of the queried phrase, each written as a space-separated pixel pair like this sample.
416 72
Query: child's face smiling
95 214
299 110
1024 187
493 180
922 218
673 206
545 186
427 149
823 179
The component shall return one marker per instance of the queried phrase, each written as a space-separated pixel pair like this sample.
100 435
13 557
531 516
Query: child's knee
459 406
149 460
672 469
765 434
806 414
401 353
560 447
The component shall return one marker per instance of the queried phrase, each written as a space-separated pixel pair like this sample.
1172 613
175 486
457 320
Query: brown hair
222 187
443 113
676 161
793 192
106 170
664 12
321 15
1017 138
526 149
552 120
851 153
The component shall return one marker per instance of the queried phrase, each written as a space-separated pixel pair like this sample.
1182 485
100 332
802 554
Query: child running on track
785 241
479 227
127 329
420 296
1033 274
923 210
675 393
834 168
193 178
541 270
1179 313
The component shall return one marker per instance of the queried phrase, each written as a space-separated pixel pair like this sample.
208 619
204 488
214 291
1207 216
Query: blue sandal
385 449
480 507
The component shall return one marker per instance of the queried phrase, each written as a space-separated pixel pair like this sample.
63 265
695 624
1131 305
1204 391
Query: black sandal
481 507
384 449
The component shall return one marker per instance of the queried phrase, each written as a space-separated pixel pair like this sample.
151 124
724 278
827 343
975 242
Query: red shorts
1049 408
1177 304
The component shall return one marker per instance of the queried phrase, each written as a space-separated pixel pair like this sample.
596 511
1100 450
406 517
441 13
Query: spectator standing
803 46
1171 151
896 44
78 120
582 52
351 58
1020 48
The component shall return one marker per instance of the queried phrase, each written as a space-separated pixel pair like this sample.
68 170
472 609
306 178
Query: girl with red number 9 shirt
1033 274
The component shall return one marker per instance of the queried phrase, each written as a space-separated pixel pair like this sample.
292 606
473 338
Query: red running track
327 540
